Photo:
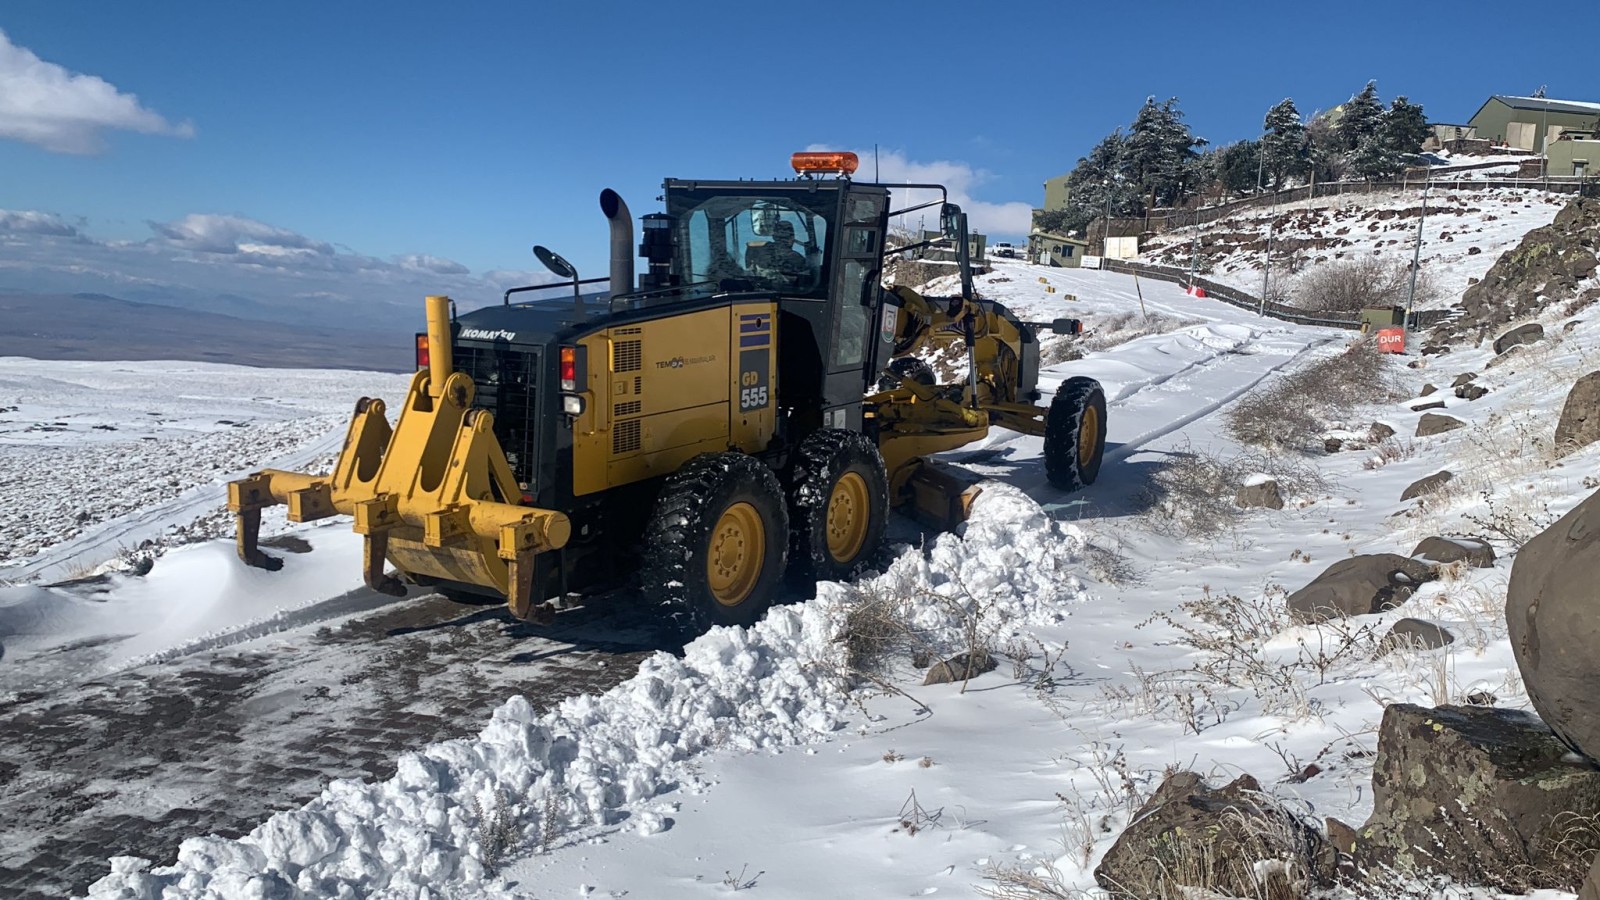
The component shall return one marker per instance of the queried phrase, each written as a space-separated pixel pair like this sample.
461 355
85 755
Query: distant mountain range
99 327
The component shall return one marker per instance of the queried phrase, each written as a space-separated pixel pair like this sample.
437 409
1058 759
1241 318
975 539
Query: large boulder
1234 841
1553 616
1522 334
1359 586
1580 415
1427 484
1485 796
1434 423
1474 551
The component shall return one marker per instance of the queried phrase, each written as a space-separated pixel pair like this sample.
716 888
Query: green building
1574 156
1527 123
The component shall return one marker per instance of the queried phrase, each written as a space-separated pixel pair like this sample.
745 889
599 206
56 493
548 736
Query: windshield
757 243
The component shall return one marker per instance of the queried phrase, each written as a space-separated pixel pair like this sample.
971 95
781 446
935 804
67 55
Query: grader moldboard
751 408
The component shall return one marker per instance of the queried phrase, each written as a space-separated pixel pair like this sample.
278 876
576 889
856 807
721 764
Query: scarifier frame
432 495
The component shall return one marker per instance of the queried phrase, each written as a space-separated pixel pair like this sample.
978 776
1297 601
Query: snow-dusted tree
1238 166
1375 158
1283 147
1359 117
1095 176
1160 153
1325 148
1404 127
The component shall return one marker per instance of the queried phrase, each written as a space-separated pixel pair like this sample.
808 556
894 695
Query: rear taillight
422 351
569 368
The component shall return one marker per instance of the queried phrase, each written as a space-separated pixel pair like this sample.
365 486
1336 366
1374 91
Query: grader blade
428 496
940 497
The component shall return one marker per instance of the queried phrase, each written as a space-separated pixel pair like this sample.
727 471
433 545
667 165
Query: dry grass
1350 285
1292 412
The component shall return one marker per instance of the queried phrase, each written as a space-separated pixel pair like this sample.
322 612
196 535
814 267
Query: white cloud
438 265
65 112
961 180
207 233
30 221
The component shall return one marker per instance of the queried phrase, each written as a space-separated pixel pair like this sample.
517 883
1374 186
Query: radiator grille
633 330
625 437
628 357
631 408
505 380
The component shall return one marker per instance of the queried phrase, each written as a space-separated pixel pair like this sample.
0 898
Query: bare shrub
499 828
1292 412
1350 285
1193 494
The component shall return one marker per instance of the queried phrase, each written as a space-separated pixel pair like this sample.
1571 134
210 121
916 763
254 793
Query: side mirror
553 261
948 220
1066 326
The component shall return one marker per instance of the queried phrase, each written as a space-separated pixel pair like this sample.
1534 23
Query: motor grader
749 409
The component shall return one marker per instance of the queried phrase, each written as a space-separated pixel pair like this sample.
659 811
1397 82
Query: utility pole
1416 254
1266 272
1194 249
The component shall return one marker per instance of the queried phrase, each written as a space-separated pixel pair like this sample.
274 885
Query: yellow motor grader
750 407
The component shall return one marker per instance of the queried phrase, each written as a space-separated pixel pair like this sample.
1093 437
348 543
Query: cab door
852 348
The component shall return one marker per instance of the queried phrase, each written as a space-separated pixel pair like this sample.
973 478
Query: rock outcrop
1553 616
1486 796
1580 415
1233 841
1359 586
1548 267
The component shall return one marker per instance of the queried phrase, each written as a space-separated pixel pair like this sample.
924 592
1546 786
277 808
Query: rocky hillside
1554 264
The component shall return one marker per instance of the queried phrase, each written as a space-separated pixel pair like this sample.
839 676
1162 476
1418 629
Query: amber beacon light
810 163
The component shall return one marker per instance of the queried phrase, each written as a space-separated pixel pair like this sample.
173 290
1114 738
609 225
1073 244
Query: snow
1464 232
747 764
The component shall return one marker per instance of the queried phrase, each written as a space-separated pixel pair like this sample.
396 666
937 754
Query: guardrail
1423 318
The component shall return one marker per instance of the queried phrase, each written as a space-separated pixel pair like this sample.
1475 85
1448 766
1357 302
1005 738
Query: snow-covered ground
744 764
1464 232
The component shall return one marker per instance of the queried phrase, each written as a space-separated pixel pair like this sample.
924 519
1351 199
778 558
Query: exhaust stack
621 241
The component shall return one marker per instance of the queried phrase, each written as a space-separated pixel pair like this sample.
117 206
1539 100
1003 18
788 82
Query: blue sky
391 146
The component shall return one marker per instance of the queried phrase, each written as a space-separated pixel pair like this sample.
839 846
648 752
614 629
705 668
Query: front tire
717 540
1075 434
838 505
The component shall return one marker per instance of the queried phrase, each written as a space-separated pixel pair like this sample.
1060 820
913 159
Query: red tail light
569 368
422 351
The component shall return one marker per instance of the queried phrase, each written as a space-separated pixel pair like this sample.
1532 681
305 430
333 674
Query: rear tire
838 505
1075 434
717 539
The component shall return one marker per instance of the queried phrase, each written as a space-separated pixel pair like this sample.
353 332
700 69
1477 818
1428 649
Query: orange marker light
844 162
422 351
569 368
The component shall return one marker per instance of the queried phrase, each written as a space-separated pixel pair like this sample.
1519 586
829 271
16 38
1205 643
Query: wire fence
1171 220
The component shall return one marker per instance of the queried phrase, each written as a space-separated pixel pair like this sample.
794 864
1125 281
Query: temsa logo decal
678 362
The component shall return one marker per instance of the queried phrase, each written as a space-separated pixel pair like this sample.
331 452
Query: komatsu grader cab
750 408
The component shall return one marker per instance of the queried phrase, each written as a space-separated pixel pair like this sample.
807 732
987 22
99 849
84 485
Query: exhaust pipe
621 241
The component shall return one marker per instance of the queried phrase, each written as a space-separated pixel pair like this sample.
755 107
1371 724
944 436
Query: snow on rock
592 760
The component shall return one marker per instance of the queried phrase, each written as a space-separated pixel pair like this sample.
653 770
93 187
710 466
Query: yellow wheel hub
1088 431
738 548
848 516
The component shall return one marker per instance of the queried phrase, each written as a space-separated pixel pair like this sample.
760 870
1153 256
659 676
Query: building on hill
1046 248
1528 123
1575 154
1055 193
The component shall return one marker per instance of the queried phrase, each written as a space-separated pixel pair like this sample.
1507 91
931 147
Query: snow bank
592 760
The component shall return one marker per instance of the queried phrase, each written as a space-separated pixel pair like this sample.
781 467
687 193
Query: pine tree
1101 173
1238 167
1375 158
1284 150
1160 153
1404 127
1358 118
